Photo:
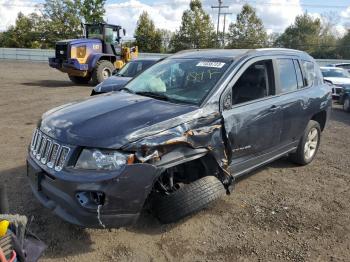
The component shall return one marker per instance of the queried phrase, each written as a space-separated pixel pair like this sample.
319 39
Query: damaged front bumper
92 198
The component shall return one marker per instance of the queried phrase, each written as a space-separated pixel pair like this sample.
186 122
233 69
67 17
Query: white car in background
338 78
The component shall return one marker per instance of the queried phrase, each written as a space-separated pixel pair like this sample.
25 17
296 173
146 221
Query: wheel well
111 59
321 118
188 172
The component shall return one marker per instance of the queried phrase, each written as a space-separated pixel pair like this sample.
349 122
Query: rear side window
309 69
287 75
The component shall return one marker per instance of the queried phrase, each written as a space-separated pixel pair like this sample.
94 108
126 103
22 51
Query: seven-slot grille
47 151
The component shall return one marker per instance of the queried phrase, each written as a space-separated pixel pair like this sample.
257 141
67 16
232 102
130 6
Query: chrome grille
47 151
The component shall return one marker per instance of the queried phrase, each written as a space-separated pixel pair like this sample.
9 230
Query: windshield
336 72
94 31
182 80
133 68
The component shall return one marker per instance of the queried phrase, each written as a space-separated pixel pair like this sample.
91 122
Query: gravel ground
279 212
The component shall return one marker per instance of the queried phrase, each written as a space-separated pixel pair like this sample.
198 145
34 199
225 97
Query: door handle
273 108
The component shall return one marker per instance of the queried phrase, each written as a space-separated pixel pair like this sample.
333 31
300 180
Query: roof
332 68
234 53
148 58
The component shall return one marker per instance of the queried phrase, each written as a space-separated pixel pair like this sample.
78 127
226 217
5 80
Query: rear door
253 120
294 97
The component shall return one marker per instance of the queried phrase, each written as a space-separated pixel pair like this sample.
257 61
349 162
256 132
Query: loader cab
108 34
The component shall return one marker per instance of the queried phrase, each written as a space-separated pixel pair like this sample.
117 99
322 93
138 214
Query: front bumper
125 193
70 66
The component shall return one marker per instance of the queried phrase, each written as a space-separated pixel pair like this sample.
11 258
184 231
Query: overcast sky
276 14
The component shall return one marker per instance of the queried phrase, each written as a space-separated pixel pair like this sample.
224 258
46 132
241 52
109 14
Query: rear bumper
124 195
70 66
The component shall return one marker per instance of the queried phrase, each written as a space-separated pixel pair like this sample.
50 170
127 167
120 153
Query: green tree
62 20
343 46
248 31
196 30
310 35
92 11
148 38
24 34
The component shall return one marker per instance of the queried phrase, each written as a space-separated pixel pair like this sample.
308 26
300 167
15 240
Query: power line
166 3
223 35
220 6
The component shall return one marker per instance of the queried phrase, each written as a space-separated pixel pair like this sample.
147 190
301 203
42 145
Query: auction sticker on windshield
211 64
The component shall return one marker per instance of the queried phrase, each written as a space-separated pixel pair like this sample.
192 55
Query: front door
253 122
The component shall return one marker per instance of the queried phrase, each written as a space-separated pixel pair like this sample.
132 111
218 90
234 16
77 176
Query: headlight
81 51
97 159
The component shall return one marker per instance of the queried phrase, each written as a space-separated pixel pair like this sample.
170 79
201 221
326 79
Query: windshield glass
336 72
182 80
94 32
133 68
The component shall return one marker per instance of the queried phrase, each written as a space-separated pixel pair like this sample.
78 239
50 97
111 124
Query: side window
299 74
255 83
287 75
309 69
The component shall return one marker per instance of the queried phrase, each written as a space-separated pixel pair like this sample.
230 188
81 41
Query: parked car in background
177 135
338 78
124 75
344 98
345 66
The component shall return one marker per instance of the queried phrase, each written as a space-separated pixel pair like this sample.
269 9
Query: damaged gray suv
176 137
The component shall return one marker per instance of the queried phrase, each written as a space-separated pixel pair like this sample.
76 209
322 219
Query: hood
107 121
113 83
338 80
79 41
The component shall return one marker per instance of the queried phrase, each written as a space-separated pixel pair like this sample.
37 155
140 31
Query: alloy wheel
311 143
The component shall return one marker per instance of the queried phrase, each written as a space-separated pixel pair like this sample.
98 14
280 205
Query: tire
188 199
310 139
346 104
102 71
79 80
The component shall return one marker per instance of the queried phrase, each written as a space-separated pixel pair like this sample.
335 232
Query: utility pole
220 6
223 35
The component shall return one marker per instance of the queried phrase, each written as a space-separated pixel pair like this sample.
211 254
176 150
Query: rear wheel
102 71
80 80
187 199
308 144
346 105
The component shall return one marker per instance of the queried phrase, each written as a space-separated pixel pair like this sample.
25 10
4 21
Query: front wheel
102 71
308 145
188 199
346 105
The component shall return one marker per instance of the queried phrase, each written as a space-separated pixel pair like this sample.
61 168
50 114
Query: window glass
288 79
299 74
309 69
335 72
94 31
109 34
183 80
255 83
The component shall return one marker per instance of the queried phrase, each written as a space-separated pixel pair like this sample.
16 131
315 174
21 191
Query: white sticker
211 64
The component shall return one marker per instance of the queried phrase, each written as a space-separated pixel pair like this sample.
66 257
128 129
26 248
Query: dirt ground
280 212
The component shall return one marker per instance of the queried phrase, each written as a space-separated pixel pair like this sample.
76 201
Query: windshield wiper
153 95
